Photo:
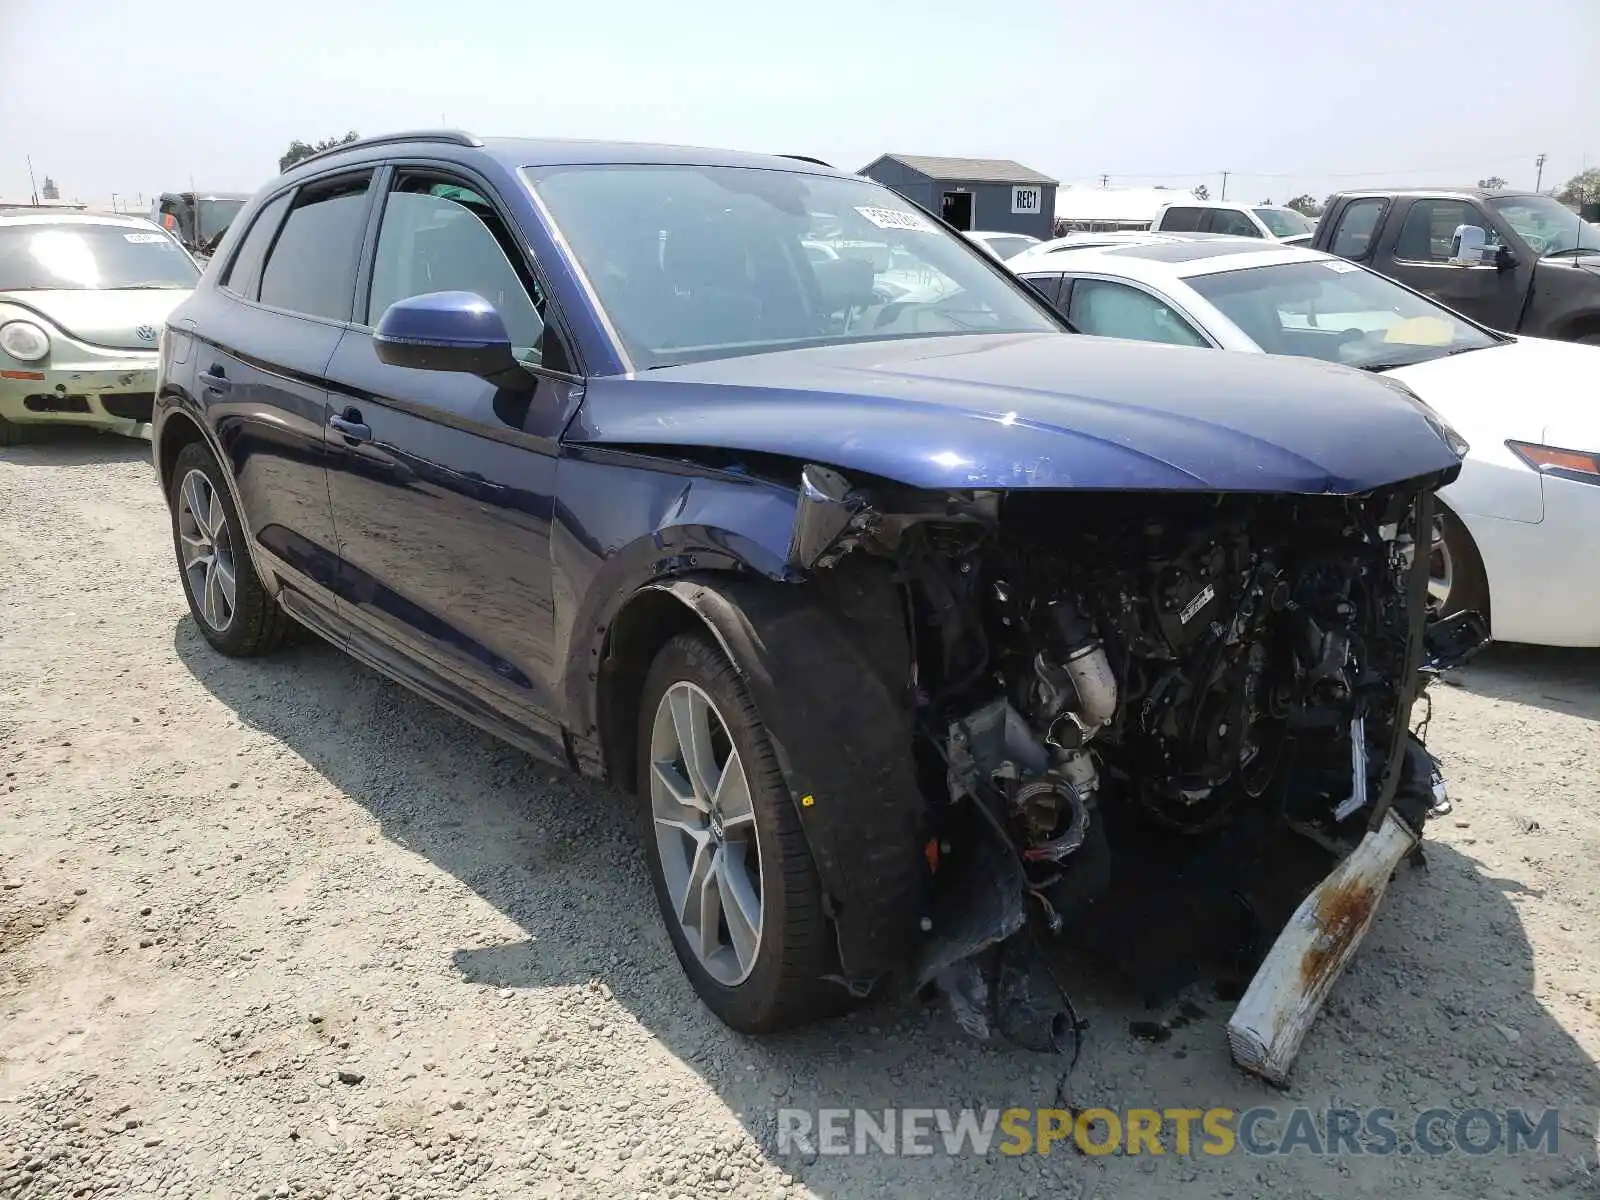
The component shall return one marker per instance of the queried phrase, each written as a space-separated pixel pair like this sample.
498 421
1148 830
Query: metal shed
972 193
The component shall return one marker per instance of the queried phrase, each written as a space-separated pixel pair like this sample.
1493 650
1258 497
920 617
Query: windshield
693 262
1285 222
215 217
1012 245
91 258
1548 226
1339 312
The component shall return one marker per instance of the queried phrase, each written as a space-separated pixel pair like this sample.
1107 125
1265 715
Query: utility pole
33 187
1224 195
1105 180
1539 178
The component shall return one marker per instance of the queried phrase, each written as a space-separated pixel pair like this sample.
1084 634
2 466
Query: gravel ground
283 929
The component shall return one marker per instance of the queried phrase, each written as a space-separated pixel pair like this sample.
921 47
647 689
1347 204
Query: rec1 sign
1027 199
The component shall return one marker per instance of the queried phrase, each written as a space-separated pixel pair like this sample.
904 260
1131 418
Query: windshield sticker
1342 267
147 239
894 218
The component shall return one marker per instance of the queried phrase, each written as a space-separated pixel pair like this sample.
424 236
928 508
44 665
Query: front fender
699 520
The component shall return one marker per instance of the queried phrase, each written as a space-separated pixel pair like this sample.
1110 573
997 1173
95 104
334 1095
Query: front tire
12 434
230 606
1457 581
733 874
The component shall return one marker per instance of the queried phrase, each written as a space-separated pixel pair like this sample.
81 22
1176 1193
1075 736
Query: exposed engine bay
1184 662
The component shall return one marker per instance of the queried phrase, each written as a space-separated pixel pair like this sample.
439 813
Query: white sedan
1521 525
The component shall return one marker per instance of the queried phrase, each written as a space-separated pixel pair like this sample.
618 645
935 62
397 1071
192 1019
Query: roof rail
809 159
454 137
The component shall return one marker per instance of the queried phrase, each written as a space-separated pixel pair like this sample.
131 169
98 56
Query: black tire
12 434
258 625
785 987
1469 588
1590 339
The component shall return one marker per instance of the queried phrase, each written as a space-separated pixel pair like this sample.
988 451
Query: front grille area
55 402
131 406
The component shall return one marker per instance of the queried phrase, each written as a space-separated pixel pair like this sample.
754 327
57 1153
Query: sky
115 98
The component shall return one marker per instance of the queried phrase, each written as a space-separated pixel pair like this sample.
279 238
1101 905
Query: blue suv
745 484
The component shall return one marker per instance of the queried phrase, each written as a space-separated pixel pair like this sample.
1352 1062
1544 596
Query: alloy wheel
705 830
1441 567
206 545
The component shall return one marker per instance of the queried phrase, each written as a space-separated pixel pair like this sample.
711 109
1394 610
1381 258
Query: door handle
216 379
349 426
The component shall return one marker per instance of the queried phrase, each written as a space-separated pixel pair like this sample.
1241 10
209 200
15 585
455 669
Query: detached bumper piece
1291 985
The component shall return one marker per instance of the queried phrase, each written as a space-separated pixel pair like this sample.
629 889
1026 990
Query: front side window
443 237
1231 222
1429 232
1338 312
1108 309
696 262
1352 237
311 268
86 258
1548 226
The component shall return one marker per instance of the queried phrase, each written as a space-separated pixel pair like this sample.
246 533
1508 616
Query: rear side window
1050 285
1228 221
1352 237
244 272
1184 219
311 268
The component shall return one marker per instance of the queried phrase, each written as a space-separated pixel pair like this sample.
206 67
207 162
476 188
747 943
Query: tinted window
441 237
1352 237
84 257
312 264
244 272
1116 310
1429 232
698 262
1231 222
1050 285
1182 220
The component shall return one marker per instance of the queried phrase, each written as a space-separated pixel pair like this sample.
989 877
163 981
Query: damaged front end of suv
994 684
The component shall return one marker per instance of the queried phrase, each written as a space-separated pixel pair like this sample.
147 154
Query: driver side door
1422 252
442 483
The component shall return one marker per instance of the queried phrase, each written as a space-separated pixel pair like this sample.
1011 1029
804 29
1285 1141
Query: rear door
443 499
1419 243
259 362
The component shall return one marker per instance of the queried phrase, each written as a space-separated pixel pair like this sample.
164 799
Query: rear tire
779 983
243 621
1457 581
12 434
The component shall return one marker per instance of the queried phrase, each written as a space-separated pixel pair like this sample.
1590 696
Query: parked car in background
584 442
82 301
1516 261
1003 245
197 219
1529 492
1236 220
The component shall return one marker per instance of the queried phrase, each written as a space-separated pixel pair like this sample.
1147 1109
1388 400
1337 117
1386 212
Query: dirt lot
281 928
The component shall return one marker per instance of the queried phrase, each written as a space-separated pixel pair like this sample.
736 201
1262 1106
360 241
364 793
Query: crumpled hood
109 319
1034 410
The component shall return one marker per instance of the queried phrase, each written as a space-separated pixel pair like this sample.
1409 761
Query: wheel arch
819 659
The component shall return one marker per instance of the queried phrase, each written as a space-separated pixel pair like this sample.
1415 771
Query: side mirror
1467 245
444 331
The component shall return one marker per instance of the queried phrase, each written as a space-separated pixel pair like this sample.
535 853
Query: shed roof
976 170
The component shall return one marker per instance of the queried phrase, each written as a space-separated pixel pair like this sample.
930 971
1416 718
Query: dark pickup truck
1515 261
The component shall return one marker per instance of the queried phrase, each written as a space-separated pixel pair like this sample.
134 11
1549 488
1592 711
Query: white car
1003 245
1518 534
1269 221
